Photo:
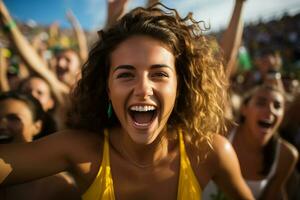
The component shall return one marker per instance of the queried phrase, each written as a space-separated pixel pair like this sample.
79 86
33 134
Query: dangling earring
109 110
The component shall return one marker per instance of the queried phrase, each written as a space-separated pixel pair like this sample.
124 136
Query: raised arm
4 86
81 38
231 38
116 9
29 55
151 2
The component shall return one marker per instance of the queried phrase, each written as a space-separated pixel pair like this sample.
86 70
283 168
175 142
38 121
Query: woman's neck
243 138
141 155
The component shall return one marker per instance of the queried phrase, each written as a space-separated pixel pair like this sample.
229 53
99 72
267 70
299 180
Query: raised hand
116 9
151 2
80 35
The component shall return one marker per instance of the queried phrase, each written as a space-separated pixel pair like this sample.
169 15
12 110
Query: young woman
266 160
41 90
145 115
21 118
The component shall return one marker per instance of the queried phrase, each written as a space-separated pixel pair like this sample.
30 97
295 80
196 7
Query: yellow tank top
102 187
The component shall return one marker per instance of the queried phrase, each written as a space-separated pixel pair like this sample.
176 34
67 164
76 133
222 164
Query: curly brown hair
199 108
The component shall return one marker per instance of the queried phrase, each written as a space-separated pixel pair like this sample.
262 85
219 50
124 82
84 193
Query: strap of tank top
277 153
188 186
181 145
231 135
276 160
105 159
184 160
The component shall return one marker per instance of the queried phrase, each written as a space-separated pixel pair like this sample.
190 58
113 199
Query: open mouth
143 115
265 124
5 138
60 72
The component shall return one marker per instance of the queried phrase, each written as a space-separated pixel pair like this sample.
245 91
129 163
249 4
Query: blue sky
92 13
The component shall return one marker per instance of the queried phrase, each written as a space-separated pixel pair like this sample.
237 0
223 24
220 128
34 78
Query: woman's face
41 91
16 122
263 114
67 67
142 86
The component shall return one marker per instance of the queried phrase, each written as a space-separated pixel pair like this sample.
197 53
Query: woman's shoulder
84 149
288 153
76 135
217 150
71 137
222 150
80 134
77 145
219 156
82 139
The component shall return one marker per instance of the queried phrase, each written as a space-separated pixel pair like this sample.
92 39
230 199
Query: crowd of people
152 108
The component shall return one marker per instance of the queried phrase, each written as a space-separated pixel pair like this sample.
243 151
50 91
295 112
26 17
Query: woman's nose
270 109
143 88
62 63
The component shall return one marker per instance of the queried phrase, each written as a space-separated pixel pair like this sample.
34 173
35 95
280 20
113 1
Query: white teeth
267 121
142 108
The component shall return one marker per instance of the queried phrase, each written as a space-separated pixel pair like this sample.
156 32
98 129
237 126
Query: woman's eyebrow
129 67
161 66
262 98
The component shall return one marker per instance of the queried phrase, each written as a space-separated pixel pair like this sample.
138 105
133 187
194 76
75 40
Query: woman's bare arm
151 2
231 38
227 174
4 85
81 38
116 9
21 162
29 55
